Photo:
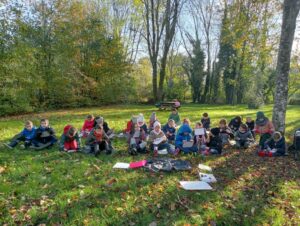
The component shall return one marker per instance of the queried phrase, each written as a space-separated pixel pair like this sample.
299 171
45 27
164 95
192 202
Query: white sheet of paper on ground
208 178
111 136
188 144
121 165
162 152
157 141
199 132
120 135
232 142
195 185
204 167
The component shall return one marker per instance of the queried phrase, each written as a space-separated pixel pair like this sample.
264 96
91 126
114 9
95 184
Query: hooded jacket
29 135
280 145
66 138
247 136
184 133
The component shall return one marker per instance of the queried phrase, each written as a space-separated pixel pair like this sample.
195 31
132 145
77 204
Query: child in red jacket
87 126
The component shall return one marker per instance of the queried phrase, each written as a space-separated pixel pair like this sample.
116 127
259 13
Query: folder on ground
121 165
195 185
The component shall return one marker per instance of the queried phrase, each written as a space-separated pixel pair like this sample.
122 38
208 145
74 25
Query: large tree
290 12
160 21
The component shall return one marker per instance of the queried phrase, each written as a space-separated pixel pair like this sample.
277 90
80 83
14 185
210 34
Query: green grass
50 187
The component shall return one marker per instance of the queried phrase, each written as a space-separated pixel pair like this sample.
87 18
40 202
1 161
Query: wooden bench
166 105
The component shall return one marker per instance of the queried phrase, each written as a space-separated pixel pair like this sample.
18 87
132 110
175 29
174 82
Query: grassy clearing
74 189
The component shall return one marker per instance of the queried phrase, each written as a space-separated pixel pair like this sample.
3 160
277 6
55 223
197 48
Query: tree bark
290 13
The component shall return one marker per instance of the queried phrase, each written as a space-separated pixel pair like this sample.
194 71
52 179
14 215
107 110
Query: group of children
173 137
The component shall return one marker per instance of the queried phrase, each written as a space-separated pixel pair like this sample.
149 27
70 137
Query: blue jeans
194 148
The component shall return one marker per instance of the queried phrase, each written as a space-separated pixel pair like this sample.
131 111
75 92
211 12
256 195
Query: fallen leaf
153 223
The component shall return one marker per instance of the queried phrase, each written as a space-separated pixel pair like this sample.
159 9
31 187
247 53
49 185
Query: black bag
295 147
167 165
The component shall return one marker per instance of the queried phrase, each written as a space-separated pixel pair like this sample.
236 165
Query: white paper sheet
136 134
200 131
195 185
157 141
209 178
162 152
111 136
121 165
204 167
188 144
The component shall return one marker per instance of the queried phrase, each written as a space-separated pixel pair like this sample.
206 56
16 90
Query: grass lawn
54 188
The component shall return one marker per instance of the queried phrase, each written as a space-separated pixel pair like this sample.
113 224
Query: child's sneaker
8 146
176 152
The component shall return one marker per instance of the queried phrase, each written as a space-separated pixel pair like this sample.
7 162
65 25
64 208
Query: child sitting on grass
235 123
225 132
69 141
137 141
170 130
184 137
140 120
200 139
205 120
214 142
99 120
98 141
250 123
243 137
175 116
158 140
44 136
275 146
88 125
26 135
264 127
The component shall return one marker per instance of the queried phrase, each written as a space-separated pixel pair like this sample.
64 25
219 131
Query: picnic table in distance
168 105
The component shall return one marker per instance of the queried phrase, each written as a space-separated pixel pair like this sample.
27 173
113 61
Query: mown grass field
54 188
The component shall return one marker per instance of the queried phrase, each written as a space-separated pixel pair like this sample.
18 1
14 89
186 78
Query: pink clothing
267 128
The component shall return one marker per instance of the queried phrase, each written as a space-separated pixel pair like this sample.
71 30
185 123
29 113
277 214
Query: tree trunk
290 13
154 80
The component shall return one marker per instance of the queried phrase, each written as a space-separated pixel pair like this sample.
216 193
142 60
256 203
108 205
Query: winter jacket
104 125
40 134
205 122
175 117
247 136
166 128
184 133
215 142
66 138
92 139
142 136
88 125
267 127
29 135
280 146
234 125
153 135
250 125
227 131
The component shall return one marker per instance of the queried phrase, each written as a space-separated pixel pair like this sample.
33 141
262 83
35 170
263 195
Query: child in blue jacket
184 135
26 136
170 130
